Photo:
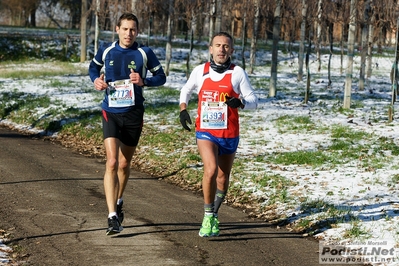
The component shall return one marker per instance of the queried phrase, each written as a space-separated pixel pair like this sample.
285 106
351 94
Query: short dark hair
222 33
127 16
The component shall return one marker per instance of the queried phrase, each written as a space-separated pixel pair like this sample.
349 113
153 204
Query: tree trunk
351 44
199 28
318 34
276 38
232 27
342 47
33 18
244 38
218 19
97 27
302 41
369 61
212 11
206 21
394 74
83 32
254 36
307 92
363 46
331 40
169 33
134 7
188 70
194 23
363 53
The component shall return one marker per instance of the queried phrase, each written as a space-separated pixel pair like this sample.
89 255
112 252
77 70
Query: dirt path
52 203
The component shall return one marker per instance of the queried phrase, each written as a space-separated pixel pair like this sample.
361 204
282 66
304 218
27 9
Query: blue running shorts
225 145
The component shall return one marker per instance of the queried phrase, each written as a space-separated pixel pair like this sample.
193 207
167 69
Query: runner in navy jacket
125 65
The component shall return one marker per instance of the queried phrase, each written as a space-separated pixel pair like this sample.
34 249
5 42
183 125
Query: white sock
111 214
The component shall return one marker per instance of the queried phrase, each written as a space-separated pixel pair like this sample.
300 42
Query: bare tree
370 43
350 55
319 32
331 41
243 38
212 13
191 18
33 6
342 18
169 37
394 73
218 18
83 32
97 25
307 91
254 35
301 52
21 11
134 8
276 39
364 24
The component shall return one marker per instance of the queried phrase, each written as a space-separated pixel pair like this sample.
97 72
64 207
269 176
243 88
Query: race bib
121 93
213 115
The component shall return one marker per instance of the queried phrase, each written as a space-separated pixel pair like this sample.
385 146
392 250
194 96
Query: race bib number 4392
213 115
121 93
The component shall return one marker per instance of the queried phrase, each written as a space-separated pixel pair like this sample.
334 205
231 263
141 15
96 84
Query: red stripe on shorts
105 115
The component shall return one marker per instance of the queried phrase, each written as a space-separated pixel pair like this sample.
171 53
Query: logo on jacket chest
132 65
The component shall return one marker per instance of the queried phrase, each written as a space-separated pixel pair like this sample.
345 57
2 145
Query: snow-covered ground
365 198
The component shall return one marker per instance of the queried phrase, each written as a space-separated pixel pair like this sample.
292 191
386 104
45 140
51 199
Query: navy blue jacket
118 61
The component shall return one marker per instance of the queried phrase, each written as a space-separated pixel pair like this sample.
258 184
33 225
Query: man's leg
223 178
125 157
208 151
111 184
222 181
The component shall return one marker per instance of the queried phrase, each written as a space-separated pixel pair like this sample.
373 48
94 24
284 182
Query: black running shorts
126 127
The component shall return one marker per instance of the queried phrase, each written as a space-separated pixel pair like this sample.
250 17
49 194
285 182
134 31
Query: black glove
184 119
233 102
